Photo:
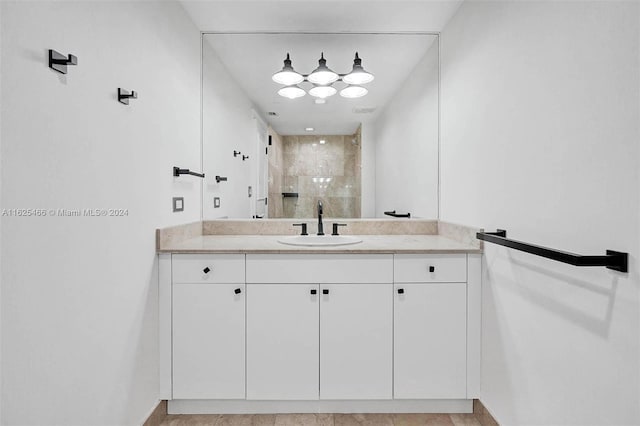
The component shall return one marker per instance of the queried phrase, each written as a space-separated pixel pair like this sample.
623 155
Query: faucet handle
303 226
335 228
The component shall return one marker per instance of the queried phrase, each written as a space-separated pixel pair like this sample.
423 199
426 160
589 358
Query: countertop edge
324 251
271 244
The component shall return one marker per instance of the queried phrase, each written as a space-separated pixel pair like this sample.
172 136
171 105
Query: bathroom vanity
250 325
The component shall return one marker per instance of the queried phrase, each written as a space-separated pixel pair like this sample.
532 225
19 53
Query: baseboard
157 415
484 416
193 406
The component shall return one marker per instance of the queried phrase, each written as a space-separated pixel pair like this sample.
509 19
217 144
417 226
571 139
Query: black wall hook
236 153
124 96
177 171
245 157
59 62
221 179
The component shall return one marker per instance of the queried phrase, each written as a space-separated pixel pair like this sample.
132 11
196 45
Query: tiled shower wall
315 170
276 175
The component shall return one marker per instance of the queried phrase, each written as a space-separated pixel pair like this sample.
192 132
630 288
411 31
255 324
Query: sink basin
320 240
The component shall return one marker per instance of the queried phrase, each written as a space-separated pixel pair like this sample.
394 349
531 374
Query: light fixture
287 76
358 75
322 91
309 129
323 79
353 91
322 141
320 101
292 92
322 75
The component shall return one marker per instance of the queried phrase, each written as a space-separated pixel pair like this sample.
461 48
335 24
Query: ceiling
252 59
321 16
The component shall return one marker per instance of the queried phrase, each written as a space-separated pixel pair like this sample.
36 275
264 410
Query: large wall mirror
361 148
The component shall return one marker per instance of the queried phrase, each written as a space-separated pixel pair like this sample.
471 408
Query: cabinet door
356 341
430 341
282 341
208 341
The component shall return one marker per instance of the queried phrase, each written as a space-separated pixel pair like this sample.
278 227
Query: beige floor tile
363 419
246 420
464 420
304 420
486 420
478 408
327 420
263 420
190 420
422 420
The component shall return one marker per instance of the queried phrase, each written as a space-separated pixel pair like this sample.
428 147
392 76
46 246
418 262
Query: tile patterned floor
327 420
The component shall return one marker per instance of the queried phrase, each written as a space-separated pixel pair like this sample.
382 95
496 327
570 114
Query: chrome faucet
320 226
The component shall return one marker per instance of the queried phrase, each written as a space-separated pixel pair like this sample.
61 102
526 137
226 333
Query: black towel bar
615 260
394 214
177 171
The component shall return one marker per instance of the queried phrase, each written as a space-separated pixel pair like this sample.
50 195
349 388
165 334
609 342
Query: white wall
79 296
406 140
228 125
540 137
1 206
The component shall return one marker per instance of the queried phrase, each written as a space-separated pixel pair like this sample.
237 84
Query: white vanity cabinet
208 324
319 326
309 332
430 326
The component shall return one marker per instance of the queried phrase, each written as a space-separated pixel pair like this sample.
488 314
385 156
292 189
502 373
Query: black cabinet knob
325 291
432 268
401 291
314 291
206 270
237 291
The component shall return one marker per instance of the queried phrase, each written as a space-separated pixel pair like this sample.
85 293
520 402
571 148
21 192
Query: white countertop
369 244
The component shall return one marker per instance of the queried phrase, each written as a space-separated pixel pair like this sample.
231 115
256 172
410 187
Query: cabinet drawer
208 268
420 268
319 268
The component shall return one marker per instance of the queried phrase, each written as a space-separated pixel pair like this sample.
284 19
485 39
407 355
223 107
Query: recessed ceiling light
322 141
320 101
309 129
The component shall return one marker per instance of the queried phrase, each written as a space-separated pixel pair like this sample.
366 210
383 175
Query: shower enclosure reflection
304 169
